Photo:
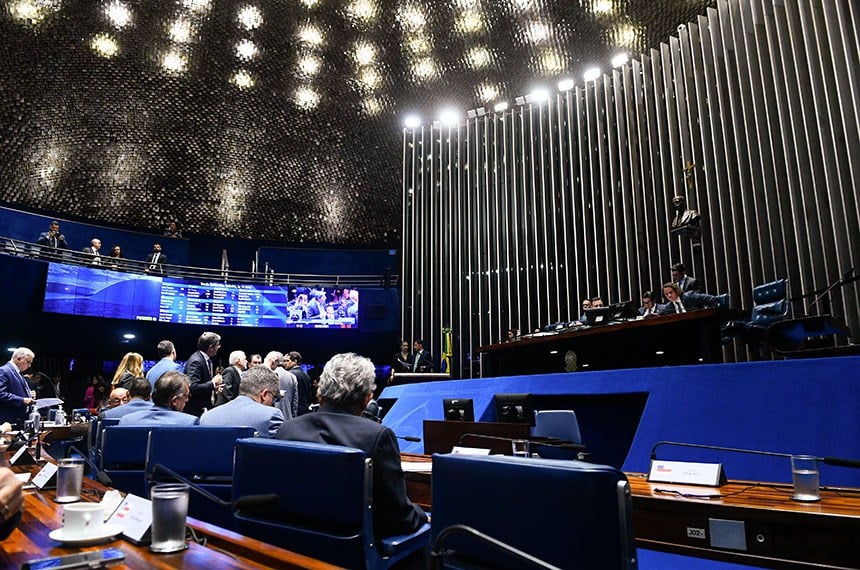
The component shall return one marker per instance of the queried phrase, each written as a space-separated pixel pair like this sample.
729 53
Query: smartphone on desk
95 559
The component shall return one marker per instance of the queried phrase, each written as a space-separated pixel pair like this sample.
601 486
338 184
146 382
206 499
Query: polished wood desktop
778 532
686 338
224 549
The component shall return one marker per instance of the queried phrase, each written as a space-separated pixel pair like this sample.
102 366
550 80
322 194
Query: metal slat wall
512 218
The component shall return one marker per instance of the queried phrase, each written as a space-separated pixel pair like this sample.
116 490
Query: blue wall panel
800 406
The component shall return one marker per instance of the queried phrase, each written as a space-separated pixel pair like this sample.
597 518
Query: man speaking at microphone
15 394
345 388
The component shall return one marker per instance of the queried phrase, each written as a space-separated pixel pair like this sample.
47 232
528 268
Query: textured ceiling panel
270 119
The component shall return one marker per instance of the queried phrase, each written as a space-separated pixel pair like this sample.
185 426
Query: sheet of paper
469 451
416 466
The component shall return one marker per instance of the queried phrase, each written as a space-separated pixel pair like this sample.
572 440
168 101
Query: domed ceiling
266 119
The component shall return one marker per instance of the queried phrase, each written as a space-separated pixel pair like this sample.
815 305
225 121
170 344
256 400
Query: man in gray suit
253 406
170 396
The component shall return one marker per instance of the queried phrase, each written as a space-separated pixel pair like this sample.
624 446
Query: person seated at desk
11 500
138 395
345 389
586 304
253 406
649 307
680 302
170 396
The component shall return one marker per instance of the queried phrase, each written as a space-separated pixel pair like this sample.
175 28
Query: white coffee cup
83 519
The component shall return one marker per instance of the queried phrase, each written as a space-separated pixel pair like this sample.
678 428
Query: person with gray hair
253 406
232 376
15 393
345 388
170 396
288 402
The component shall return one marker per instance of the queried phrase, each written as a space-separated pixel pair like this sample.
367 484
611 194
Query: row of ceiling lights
451 117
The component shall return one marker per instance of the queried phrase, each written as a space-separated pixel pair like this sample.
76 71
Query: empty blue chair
123 457
326 507
205 456
567 513
771 304
558 424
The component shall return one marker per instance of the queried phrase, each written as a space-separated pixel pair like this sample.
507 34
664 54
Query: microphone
834 461
244 503
411 438
101 476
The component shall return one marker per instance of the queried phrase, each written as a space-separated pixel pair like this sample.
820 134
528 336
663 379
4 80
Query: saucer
108 531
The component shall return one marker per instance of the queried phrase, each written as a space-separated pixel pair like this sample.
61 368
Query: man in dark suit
199 370
52 238
15 394
684 281
680 302
155 261
232 376
345 388
422 360
293 365
93 251
649 306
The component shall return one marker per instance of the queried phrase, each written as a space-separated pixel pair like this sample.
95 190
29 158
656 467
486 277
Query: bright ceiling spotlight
591 74
619 60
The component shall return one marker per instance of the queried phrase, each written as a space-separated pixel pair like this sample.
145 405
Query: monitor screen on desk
459 409
515 408
599 316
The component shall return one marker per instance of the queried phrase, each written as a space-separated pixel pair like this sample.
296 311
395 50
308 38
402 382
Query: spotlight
591 74
128 336
449 118
565 85
538 96
412 122
500 107
520 100
619 60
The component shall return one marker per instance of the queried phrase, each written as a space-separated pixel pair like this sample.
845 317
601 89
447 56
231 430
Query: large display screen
75 290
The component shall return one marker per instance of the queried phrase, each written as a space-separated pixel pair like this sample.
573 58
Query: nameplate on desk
46 476
459 450
134 515
710 474
22 457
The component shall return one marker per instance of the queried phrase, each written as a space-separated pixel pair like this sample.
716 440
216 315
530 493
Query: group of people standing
419 360
53 241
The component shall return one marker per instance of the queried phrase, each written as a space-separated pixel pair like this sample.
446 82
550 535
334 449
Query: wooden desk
225 549
779 532
685 338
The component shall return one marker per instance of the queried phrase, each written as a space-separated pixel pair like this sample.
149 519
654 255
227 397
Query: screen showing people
89 291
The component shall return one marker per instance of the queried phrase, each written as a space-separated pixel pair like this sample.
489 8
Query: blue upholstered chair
123 457
567 513
326 509
558 424
771 304
205 456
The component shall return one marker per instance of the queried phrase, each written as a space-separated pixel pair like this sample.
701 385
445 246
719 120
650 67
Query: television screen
515 408
459 409
94 292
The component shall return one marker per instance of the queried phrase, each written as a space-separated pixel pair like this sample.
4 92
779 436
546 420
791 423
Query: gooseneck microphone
245 503
411 438
101 476
835 461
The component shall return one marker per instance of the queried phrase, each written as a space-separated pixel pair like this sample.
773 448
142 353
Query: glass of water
70 475
169 509
520 447
804 471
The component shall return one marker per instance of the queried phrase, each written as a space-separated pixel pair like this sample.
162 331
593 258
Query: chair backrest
561 424
123 456
770 302
196 452
325 508
724 300
568 513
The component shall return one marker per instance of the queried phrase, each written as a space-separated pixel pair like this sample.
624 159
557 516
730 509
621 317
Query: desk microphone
835 461
245 503
101 476
411 438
